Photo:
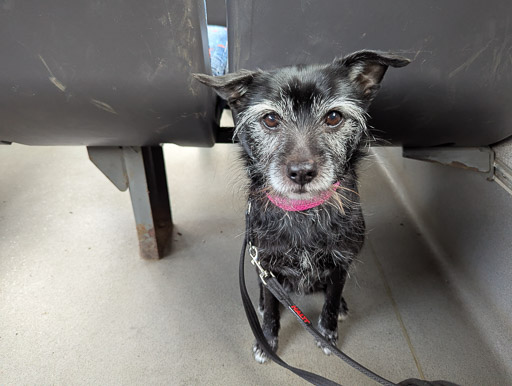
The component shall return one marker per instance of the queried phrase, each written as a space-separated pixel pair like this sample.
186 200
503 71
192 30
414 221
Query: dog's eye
333 118
271 121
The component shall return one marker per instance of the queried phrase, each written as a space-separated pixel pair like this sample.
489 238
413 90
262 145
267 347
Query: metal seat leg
142 170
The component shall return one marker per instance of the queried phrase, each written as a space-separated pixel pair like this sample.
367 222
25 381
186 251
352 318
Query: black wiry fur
309 250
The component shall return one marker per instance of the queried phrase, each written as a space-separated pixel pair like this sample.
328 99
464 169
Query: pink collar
292 205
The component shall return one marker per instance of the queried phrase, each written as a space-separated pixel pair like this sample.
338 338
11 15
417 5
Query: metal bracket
503 176
110 160
142 170
478 159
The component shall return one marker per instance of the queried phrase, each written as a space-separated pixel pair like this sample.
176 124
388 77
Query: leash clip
253 253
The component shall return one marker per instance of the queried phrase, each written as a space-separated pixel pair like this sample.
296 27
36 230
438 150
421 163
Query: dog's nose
302 172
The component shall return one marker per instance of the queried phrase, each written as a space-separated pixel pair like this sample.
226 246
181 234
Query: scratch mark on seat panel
57 83
103 106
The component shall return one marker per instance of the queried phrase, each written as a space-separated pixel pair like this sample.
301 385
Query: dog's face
301 125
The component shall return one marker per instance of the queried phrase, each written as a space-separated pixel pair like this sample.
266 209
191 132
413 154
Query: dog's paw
259 355
343 314
261 310
330 336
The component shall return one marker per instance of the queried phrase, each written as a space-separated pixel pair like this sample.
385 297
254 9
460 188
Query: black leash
269 280
258 332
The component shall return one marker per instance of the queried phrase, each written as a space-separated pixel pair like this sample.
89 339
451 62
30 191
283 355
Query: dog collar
291 205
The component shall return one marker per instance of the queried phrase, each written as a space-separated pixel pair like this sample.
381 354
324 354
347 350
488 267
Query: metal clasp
253 253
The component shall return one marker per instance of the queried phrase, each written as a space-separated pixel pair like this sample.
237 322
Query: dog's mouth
301 200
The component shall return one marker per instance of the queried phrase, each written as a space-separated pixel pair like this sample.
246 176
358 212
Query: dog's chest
306 246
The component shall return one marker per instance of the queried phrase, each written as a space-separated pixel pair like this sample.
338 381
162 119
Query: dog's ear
367 68
230 87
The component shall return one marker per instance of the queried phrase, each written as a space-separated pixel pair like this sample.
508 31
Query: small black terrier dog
303 129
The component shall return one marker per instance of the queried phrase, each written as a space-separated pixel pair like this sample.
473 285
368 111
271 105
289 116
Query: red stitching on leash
300 314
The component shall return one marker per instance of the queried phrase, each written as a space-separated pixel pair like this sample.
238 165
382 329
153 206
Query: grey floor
78 305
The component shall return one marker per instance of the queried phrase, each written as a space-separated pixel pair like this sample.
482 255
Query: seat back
457 90
103 73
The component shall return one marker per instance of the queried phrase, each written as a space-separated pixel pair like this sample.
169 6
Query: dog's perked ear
367 68
230 87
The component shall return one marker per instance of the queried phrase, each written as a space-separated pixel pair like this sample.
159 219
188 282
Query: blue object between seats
218 49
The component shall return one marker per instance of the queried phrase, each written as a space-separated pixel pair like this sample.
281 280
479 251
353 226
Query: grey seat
108 75
457 90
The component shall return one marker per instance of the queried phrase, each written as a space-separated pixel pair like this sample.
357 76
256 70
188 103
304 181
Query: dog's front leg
271 323
334 304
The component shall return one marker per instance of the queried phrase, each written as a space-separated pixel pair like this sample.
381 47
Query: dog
304 130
